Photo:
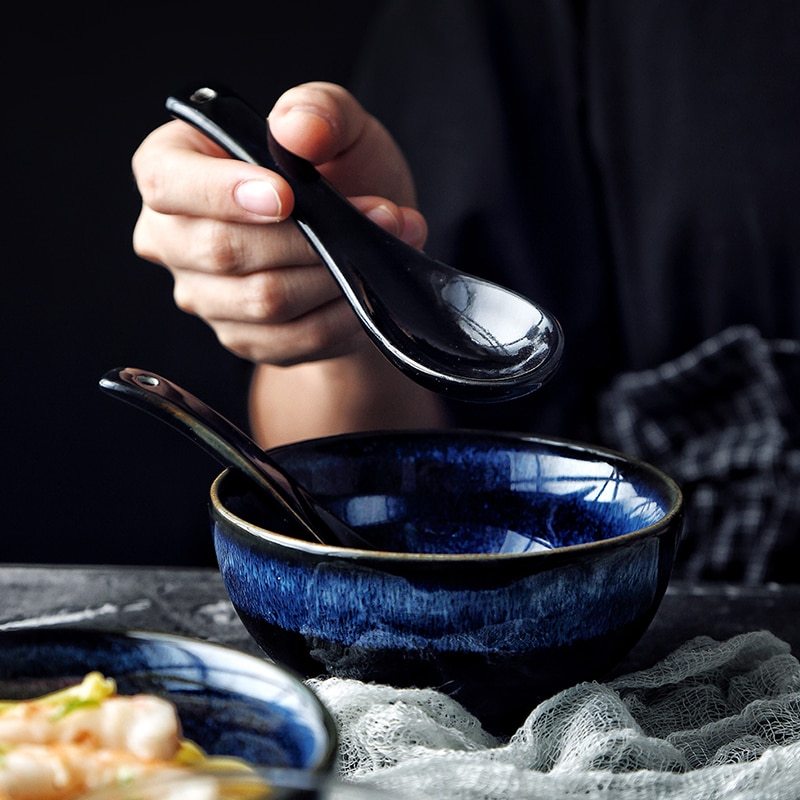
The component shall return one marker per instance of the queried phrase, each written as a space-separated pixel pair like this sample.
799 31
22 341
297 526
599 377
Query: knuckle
265 298
233 341
142 243
317 335
218 248
183 298
150 180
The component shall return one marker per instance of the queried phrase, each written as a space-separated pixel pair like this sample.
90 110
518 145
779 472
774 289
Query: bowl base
500 689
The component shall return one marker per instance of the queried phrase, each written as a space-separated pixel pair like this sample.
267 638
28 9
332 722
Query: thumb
325 124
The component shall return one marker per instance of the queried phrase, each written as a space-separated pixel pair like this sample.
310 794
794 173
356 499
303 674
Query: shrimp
143 725
65 771
61 745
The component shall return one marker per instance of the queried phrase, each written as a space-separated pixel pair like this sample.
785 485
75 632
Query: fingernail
259 197
381 215
306 109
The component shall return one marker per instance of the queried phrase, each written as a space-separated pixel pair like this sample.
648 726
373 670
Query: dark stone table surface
193 602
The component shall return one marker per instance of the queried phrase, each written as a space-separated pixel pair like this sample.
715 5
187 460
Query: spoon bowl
452 332
302 513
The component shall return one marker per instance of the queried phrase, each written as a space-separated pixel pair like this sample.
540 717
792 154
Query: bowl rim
65 633
672 491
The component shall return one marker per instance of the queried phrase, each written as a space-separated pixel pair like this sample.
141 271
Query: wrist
357 391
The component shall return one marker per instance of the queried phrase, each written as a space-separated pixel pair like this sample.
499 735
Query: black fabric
633 165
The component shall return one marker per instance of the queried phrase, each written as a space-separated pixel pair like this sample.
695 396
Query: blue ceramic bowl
507 567
229 703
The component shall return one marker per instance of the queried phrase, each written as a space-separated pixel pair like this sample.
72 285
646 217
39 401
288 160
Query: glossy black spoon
233 448
451 332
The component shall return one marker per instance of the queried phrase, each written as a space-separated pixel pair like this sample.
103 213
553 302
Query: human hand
220 225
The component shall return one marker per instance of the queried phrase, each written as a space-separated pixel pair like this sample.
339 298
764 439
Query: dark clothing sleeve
631 165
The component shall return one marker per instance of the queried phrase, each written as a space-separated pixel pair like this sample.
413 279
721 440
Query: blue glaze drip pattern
378 609
497 632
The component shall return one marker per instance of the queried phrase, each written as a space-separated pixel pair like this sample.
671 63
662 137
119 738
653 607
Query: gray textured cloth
722 420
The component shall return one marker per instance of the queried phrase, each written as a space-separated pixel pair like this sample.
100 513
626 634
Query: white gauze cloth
712 720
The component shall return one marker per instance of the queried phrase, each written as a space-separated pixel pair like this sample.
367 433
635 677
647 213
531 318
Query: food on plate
61 745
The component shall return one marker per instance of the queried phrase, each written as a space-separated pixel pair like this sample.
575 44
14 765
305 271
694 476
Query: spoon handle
214 433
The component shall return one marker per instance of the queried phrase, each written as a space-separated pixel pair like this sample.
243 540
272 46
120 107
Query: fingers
401 221
268 297
179 171
319 120
208 245
325 124
221 226
329 331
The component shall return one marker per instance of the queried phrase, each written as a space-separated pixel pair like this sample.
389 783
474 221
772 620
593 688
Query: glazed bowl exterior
507 566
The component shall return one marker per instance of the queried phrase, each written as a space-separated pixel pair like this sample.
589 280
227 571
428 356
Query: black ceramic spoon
233 448
450 331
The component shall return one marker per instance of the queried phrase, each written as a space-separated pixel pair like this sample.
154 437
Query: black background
88 479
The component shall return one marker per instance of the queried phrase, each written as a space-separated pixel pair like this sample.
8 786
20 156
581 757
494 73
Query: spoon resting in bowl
452 332
233 448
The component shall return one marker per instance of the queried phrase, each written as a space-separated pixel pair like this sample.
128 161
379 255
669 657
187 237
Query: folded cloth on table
712 720
724 421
